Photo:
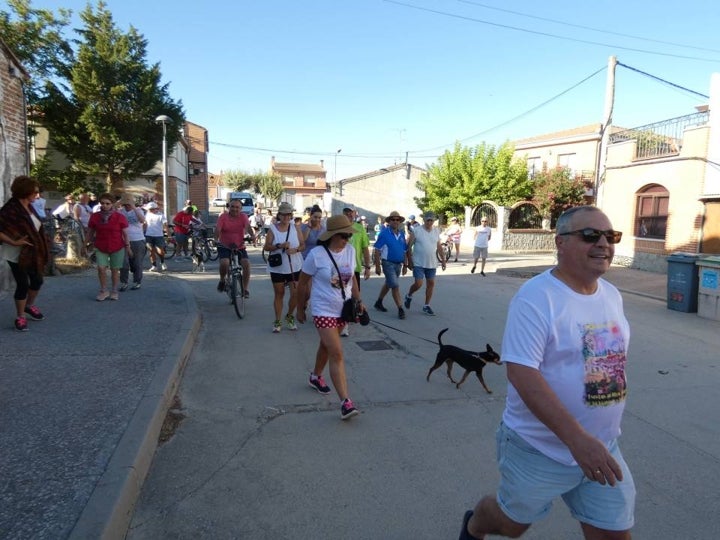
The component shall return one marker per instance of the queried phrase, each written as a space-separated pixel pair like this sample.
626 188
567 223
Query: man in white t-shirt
155 229
480 250
424 246
565 346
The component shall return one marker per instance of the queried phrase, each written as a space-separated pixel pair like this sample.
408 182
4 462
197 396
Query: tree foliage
468 176
557 190
104 121
271 186
35 36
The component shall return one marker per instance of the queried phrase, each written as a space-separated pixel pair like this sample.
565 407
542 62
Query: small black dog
471 361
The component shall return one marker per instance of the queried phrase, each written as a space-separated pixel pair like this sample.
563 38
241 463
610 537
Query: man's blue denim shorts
420 273
530 481
392 273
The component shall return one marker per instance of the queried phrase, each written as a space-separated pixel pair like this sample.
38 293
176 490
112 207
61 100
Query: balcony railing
661 138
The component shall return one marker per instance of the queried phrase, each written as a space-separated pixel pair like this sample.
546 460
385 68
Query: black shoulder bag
275 259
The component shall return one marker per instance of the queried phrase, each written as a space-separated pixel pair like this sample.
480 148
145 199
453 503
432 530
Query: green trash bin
682 282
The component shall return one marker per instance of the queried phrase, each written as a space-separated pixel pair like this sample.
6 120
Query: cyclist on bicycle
230 231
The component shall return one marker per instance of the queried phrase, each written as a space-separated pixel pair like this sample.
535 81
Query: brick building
13 133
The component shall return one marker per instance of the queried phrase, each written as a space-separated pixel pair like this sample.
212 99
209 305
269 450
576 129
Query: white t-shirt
482 236
579 344
135 227
325 297
84 212
154 223
424 251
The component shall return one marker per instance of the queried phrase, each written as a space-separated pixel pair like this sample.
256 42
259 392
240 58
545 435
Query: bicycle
234 285
446 246
203 247
170 243
68 231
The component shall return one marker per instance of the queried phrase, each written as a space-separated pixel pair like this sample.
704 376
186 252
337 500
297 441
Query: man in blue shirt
391 253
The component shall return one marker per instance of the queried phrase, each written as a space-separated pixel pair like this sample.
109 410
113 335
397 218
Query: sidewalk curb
109 509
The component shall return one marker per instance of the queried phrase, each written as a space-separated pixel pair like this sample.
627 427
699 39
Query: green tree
557 190
270 185
35 36
468 176
240 180
104 121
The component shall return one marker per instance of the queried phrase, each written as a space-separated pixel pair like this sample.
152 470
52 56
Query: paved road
259 455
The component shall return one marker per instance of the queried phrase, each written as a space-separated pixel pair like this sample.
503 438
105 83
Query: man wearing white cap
155 227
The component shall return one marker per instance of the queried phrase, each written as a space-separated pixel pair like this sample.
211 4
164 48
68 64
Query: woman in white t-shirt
327 269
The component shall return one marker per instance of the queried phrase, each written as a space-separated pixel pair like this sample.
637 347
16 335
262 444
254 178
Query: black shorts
284 278
224 253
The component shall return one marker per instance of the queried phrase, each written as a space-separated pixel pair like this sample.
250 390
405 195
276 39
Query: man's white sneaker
153 268
345 332
164 267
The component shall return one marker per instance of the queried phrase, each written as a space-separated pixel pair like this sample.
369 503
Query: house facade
377 193
13 134
662 187
576 149
659 184
197 138
304 184
13 127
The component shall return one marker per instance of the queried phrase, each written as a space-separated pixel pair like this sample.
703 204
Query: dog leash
404 332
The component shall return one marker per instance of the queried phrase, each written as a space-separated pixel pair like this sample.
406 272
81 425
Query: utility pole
605 129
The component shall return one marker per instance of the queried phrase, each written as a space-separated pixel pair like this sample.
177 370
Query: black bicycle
446 247
203 247
234 284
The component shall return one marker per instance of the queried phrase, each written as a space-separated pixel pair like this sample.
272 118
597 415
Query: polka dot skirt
328 322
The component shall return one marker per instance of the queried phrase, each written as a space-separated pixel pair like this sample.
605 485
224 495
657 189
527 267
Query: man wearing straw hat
390 252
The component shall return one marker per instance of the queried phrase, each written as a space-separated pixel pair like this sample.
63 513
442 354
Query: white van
245 198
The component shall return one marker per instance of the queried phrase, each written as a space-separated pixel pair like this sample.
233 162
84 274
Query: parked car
218 202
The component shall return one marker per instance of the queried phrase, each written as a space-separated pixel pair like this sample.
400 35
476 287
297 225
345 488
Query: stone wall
531 240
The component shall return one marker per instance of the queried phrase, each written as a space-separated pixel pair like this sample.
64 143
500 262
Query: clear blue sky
376 78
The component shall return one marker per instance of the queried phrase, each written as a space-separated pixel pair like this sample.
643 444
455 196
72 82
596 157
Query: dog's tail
440 336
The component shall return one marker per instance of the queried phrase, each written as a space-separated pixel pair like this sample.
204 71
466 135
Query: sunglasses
395 219
591 236
344 236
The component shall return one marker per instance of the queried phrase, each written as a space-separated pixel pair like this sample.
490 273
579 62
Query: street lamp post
335 172
164 119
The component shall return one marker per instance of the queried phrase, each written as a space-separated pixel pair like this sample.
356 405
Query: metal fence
661 138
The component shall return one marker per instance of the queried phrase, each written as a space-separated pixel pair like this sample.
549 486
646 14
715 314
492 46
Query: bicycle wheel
170 246
237 295
212 249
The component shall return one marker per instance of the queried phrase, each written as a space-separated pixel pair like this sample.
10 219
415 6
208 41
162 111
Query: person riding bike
230 231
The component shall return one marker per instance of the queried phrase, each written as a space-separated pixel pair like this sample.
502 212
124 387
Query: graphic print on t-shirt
335 280
604 354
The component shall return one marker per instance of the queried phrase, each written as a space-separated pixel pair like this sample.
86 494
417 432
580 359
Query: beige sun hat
336 225
394 214
286 208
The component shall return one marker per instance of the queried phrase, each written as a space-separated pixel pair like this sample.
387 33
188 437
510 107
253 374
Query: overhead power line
419 153
664 81
600 30
548 34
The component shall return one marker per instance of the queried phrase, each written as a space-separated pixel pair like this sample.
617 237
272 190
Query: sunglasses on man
592 236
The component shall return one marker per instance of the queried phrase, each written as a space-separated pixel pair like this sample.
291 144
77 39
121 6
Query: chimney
322 163
272 162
